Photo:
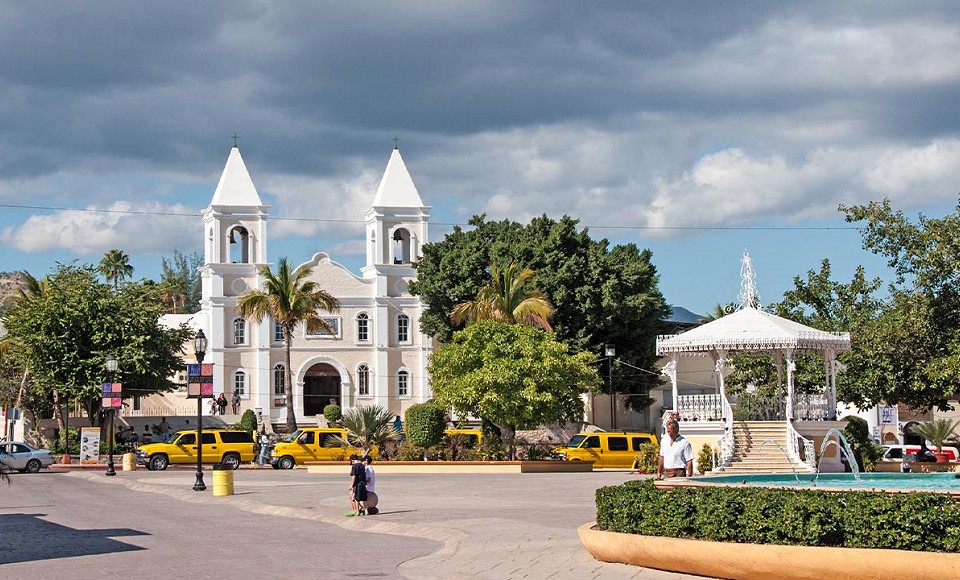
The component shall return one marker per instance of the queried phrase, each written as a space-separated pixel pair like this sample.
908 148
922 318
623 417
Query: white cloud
134 228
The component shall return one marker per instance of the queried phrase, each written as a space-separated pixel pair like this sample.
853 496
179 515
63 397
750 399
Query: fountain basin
937 482
764 561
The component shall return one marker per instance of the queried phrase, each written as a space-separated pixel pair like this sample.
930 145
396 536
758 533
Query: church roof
396 187
235 187
753 329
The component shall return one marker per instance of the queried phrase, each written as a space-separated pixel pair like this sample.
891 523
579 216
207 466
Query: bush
803 517
248 422
857 434
705 458
423 424
332 413
646 459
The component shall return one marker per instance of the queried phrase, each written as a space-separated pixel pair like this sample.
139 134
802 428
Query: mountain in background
681 314
10 282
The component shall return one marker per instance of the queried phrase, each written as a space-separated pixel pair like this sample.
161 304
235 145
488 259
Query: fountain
785 454
844 449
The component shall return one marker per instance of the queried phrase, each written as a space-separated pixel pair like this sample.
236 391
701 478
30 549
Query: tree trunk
508 434
291 418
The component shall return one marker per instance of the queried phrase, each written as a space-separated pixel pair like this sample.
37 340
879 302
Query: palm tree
719 311
115 267
289 298
937 431
366 427
507 298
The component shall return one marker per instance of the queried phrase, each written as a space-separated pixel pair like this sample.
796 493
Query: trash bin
129 461
222 480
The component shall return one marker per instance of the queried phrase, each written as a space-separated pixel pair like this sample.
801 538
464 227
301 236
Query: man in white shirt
372 498
676 453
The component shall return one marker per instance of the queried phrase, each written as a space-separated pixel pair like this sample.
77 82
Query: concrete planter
765 561
457 466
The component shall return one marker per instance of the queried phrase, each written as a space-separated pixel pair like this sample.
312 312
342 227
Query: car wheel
33 466
158 462
231 460
286 462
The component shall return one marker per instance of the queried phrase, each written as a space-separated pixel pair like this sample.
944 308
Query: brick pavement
488 526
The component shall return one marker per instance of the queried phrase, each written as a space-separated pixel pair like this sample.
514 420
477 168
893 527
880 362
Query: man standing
358 486
676 453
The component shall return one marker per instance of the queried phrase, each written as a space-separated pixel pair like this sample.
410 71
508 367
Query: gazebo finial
749 297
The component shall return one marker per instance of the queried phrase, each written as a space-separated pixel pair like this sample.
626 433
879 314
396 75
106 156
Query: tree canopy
514 376
601 294
65 329
508 297
180 280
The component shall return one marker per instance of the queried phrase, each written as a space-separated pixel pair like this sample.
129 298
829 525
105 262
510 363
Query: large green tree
64 332
290 298
511 375
911 352
600 294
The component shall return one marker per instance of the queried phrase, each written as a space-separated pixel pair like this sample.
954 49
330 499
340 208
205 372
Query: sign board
199 381
89 444
888 415
112 396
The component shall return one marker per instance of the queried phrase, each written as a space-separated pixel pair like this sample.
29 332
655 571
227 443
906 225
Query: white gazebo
750 329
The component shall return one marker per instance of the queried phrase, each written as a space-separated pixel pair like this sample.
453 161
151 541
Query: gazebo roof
753 330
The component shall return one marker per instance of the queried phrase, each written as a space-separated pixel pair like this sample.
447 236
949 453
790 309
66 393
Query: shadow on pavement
28 538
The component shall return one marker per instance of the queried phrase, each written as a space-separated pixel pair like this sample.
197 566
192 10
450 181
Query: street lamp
111 366
611 351
200 349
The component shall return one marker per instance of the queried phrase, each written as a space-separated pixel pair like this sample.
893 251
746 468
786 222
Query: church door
321 387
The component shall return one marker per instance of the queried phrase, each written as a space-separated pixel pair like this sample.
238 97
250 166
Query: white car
23 457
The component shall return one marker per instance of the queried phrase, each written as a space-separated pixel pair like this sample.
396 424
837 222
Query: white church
377 354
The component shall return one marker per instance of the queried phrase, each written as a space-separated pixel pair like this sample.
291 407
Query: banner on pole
199 381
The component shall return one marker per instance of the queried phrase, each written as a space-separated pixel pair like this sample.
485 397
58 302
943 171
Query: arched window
240 382
363 327
279 380
239 331
403 328
239 242
403 384
363 380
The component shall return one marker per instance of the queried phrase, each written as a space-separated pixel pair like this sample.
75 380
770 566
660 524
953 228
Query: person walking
676 453
372 498
235 402
264 448
358 486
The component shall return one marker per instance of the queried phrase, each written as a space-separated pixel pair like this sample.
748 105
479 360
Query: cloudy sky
695 129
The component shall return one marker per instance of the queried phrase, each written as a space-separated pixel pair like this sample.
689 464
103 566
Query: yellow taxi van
605 449
310 444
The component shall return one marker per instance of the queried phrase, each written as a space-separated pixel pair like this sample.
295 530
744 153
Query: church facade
376 354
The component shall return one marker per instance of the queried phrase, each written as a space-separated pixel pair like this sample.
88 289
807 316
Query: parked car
224 446
896 452
24 458
470 438
605 449
310 444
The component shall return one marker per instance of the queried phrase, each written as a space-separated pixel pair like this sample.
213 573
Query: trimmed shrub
248 421
423 424
705 458
332 413
917 521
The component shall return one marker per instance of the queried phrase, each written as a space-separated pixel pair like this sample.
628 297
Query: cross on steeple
396 143
236 139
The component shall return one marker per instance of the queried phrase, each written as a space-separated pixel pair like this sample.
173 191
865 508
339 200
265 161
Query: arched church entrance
321 387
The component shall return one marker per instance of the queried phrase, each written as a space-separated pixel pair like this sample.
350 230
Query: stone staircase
752 456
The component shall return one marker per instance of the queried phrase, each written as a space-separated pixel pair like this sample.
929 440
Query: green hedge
804 517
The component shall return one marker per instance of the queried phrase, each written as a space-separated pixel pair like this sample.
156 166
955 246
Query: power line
451 224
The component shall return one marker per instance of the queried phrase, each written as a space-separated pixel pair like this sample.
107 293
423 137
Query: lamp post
200 349
611 351
111 366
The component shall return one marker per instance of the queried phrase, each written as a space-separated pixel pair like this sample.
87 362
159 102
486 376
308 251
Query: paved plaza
291 524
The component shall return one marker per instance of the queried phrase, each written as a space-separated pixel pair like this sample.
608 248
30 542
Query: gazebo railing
700 407
812 407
